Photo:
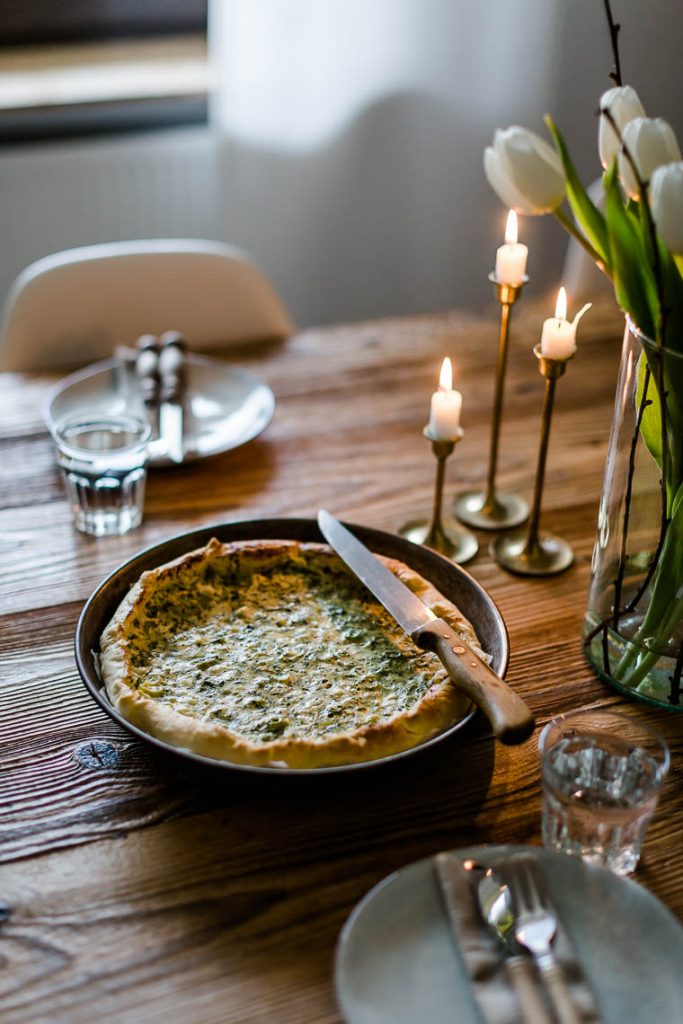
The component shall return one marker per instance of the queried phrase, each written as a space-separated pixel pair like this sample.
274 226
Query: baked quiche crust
271 653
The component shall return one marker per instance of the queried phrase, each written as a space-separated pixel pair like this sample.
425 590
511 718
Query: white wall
348 142
59 195
354 130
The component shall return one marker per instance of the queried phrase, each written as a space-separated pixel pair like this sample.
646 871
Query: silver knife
172 377
510 718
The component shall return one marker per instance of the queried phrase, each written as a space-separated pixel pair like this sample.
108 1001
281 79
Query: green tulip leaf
663 279
672 284
664 610
584 209
633 278
638 213
671 560
651 422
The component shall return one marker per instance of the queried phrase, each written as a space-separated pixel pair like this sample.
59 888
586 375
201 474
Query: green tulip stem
649 659
572 229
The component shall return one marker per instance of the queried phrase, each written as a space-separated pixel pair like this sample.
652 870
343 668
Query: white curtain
353 130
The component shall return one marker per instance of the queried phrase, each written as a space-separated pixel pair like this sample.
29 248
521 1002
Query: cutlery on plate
172 375
147 369
465 880
535 927
495 905
510 718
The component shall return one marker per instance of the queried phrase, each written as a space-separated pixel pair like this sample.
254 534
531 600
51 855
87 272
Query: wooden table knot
98 755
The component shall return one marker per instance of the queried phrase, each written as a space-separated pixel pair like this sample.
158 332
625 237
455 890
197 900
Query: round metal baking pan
453 582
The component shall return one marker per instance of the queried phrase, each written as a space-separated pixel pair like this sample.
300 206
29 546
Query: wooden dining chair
74 307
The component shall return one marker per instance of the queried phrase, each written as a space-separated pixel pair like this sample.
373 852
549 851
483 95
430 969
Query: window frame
46 22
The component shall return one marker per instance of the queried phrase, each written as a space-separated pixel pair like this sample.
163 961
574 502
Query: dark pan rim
94 618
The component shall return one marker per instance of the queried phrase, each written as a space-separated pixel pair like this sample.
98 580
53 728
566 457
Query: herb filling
301 651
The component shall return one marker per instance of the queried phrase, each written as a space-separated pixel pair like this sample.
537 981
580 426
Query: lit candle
511 258
444 417
558 337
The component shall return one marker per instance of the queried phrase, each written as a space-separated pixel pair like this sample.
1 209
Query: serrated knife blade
510 718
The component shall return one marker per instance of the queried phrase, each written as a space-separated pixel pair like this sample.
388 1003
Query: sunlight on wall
291 76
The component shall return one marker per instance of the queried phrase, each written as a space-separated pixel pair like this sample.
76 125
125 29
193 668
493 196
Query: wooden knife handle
511 719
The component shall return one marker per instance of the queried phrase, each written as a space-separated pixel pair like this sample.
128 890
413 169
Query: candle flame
446 376
561 305
511 227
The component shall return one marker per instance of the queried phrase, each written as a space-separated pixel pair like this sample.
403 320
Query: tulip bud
524 171
650 143
623 105
666 200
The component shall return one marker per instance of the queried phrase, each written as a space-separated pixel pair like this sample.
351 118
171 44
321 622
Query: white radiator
60 195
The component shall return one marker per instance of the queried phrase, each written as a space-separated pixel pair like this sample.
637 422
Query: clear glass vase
633 629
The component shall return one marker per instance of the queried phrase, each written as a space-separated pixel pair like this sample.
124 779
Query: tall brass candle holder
532 552
447 538
491 509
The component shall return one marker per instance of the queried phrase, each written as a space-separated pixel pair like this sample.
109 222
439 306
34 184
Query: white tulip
623 105
651 143
524 171
666 200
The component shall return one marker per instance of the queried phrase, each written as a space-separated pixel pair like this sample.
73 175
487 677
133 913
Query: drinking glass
602 773
104 463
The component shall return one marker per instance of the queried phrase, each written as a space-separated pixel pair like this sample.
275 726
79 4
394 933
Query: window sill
67 90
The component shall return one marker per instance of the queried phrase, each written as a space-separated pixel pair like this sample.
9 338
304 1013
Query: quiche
273 653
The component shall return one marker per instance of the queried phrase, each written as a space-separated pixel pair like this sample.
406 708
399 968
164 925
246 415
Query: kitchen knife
172 377
510 718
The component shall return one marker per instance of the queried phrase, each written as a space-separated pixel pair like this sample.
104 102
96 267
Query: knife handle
511 719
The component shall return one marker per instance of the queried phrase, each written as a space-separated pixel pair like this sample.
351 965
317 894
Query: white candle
558 337
511 258
444 416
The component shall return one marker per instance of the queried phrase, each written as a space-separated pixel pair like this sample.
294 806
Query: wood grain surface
136 887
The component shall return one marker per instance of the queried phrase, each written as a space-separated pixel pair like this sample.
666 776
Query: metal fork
535 929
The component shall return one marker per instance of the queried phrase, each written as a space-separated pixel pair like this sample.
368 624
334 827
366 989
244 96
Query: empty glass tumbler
104 463
602 773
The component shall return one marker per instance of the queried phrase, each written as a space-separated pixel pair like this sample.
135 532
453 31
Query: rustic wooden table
136 887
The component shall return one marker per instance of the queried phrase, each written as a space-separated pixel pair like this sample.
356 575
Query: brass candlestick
492 509
448 538
532 552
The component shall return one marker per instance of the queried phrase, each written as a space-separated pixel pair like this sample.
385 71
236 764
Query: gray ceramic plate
225 407
396 963
453 582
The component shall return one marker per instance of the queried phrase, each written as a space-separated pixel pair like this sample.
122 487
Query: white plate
225 407
396 963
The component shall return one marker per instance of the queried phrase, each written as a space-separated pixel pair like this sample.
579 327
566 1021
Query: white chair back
76 306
